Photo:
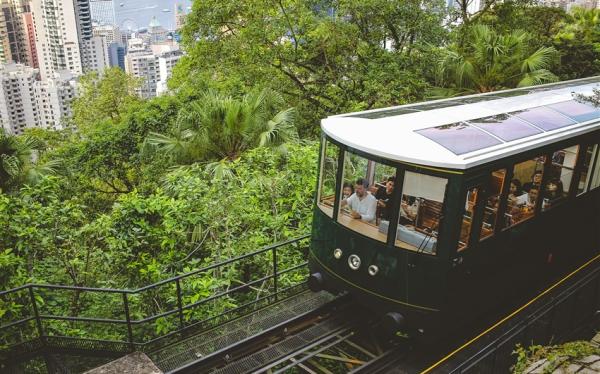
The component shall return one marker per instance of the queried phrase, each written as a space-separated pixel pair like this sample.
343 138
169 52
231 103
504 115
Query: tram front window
420 212
366 196
329 167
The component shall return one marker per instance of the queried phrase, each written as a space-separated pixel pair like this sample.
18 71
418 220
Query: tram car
430 213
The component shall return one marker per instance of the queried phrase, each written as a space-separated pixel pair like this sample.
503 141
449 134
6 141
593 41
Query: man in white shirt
363 205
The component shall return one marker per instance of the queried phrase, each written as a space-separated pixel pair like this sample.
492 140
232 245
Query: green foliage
557 356
578 41
222 128
17 165
491 61
541 22
323 57
103 98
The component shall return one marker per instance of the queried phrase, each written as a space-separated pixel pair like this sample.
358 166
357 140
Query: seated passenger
532 196
361 203
553 191
385 196
408 210
536 179
347 190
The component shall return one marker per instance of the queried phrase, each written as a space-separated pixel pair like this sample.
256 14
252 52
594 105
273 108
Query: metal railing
51 316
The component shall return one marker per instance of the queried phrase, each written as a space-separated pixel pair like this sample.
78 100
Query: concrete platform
135 363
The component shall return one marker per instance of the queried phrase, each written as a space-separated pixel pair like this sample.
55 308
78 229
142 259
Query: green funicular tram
434 212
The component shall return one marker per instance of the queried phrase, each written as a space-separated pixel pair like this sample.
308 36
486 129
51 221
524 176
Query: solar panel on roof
505 127
544 118
578 111
459 137
385 113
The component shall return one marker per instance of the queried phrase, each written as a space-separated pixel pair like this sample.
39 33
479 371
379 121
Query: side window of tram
329 166
588 177
586 169
490 211
560 176
525 188
420 212
467 222
367 196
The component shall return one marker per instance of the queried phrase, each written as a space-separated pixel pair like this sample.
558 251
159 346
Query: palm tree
583 23
220 128
17 166
491 61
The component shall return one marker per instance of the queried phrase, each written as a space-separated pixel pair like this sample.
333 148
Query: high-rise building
166 62
14 41
64 37
103 12
53 97
57 36
111 33
116 55
18 108
141 62
29 30
96 54
180 16
156 33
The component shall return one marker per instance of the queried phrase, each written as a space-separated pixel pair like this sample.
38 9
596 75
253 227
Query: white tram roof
467 131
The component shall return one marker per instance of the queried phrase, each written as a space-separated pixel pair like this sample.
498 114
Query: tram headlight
373 269
337 253
354 262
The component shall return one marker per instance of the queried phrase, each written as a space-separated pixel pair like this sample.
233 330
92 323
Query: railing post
179 305
38 320
128 319
275 271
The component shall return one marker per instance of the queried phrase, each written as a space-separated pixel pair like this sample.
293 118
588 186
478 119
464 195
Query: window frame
322 150
594 167
340 183
401 172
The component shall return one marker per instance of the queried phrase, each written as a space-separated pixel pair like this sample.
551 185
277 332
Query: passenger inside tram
385 199
521 203
347 190
362 203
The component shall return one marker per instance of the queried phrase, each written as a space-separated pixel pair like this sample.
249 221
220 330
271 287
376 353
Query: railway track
335 338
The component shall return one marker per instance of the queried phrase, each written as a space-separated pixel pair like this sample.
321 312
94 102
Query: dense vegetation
133 191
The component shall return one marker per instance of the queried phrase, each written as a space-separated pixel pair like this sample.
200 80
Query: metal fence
43 316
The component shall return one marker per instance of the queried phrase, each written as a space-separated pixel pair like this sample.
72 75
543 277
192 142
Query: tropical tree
218 127
104 97
491 61
324 57
17 166
578 42
582 22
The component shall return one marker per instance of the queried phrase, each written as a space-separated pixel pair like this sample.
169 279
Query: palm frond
540 59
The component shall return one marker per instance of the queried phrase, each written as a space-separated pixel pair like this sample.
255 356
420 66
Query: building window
524 191
420 212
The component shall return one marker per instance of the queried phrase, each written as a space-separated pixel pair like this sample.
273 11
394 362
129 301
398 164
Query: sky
138 13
